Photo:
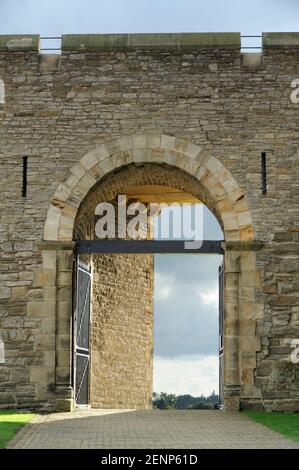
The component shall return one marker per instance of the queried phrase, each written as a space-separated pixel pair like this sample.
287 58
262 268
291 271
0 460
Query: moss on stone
157 41
19 42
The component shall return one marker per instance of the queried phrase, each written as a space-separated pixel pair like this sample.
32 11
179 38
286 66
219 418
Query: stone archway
229 204
229 199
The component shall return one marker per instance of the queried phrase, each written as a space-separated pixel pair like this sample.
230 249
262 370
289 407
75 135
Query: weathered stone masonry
122 331
190 103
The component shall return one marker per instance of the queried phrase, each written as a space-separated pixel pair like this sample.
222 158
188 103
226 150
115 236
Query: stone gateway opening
119 353
114 301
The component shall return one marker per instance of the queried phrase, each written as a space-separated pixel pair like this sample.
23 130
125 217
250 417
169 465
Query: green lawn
285 423
10 422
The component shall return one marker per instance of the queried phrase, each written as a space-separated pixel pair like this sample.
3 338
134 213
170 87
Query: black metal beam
146 246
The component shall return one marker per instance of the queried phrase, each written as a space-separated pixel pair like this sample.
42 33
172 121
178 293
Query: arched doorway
120 353
162 160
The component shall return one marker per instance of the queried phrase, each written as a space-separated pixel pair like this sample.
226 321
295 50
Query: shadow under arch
146 176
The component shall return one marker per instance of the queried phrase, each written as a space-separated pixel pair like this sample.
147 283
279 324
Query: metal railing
51 38
251 36
243 47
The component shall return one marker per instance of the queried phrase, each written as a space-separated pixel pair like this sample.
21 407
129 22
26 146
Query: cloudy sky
186 318
186 330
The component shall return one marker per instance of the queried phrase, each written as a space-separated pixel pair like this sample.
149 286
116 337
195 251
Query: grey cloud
198 270
183 324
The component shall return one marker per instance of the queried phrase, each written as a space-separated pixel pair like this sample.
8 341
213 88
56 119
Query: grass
284 423
10 422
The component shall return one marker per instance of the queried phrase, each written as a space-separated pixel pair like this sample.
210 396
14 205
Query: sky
55 17
186 318
186 331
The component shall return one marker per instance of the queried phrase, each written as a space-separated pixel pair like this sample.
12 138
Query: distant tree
166 401
182 402
213 398
201 406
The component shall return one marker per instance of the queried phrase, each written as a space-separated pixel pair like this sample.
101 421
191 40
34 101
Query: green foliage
10 423
164 401
285 423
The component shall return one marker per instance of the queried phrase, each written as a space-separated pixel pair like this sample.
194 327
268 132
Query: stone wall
202 91
122 331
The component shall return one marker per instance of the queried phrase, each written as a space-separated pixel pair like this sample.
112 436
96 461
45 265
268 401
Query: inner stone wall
122 331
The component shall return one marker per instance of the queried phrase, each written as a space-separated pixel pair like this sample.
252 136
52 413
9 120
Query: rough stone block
251 60
250 343
19 42
49 63
40 309
5 292
285 406
281 40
